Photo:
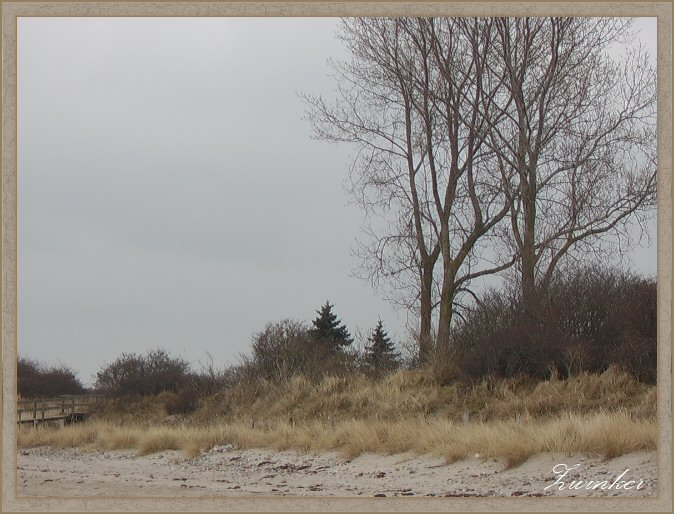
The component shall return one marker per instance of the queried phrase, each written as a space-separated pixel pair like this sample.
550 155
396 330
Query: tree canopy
380 354
328 329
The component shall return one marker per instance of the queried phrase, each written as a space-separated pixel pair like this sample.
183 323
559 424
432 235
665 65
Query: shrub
184 401
196 386
35 380
208 380
148 374
500 339
589 320
285 349
636 310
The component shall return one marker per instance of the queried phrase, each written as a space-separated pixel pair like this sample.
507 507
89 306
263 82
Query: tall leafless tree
471 130
579 129
415 99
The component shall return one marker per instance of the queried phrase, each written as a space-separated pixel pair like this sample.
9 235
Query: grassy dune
408 394
609 414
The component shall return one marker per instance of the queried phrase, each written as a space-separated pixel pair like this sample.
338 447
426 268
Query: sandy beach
227 471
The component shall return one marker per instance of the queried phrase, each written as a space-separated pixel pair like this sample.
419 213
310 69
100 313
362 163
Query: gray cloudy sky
170 194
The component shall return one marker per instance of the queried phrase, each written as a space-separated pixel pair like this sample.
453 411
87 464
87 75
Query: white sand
226 471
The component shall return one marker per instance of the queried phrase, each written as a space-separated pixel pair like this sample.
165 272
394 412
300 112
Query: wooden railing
63 409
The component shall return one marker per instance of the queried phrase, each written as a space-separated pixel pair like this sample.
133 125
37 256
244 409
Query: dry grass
608 434
139 410
608 414
407 394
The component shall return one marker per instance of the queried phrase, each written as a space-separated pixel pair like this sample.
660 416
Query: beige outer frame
12 10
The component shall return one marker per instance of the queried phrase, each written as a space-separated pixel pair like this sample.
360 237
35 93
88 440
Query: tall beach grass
608 414
607 434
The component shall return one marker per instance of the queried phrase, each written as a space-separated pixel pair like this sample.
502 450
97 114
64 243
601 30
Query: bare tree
579 129
476 129
415 100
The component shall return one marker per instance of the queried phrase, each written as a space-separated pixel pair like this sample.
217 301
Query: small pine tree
327 328
380 355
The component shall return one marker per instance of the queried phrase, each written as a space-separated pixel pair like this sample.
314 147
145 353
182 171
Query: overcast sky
170 194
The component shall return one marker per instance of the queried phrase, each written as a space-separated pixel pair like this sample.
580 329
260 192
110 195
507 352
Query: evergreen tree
380 354
327 328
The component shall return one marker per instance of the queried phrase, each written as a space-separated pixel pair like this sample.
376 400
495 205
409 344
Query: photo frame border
12 11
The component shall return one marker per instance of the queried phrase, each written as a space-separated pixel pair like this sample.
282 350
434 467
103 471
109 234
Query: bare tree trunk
528 250
446 310
425 324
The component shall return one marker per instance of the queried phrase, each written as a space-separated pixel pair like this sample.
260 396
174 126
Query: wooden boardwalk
62 410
